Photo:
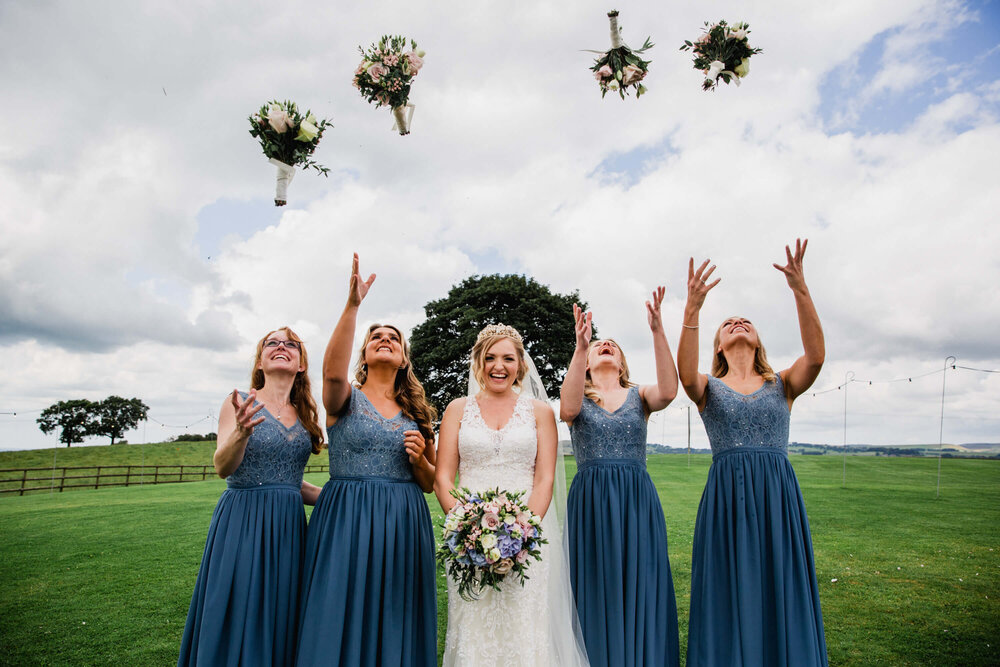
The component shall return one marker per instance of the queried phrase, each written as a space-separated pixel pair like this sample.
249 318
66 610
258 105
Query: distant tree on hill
115 415
74 418
441 344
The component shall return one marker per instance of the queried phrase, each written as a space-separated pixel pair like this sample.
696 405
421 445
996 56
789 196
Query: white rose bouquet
486 537
288 139
722 52
385 74
620 68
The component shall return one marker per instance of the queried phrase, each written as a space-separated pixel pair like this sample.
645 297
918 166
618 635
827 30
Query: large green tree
441 344
115 415
74 419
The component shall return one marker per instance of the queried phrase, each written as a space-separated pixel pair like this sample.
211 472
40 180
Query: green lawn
105 576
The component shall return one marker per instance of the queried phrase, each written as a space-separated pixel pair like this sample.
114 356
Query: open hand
697 287
653 309
793 270
359 288
584 330
246 413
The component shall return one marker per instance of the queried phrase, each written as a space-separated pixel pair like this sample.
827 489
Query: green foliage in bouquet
723 52
287 135
387 70
621 67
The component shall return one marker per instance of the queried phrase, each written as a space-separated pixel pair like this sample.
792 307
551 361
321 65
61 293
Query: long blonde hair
406 389
588 384
760 366
301 395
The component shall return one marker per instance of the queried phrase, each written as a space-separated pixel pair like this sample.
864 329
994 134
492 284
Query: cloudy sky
141 253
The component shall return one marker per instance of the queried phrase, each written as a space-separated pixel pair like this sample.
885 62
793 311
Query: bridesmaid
617 534
369 593
244 610
754 598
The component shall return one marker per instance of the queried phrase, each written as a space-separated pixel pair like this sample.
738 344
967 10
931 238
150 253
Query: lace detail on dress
275 454
363 443
599 434
736 420
508 627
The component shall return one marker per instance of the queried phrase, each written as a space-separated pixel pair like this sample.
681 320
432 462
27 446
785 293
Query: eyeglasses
289 344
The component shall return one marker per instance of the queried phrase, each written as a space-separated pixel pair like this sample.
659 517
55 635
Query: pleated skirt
619 566
244 610
754 598
369 595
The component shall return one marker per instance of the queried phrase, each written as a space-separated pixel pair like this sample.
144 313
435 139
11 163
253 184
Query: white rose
488 540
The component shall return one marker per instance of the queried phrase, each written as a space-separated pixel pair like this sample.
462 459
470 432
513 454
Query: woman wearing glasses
245 604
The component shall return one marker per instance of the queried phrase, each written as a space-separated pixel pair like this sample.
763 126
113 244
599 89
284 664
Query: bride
503 435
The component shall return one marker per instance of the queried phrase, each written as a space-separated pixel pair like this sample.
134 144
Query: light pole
948 361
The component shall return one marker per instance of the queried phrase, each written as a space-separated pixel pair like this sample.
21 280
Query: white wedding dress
517 625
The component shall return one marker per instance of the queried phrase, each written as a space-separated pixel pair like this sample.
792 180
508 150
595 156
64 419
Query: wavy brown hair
760 366
588 385
407 390
301 396
478 357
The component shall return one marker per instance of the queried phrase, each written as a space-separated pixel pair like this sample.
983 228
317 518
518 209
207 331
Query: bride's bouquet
722 52
620 68
288 139
486 537
385 74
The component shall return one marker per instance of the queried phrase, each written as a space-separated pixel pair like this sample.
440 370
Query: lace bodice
599 434
490 458
275 454
757 420
363 443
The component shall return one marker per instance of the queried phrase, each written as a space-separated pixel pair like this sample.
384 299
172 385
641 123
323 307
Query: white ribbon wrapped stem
616 33
402 117
286 173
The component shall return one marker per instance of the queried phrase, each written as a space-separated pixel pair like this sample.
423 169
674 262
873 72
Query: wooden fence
41 480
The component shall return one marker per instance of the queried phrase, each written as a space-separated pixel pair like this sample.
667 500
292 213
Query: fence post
24 478
97 480
62 479
156 474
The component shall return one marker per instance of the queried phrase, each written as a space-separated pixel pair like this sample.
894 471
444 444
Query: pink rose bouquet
288 139
722 52
620 68
385 74
486 537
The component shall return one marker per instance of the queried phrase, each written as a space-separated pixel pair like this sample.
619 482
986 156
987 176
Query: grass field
105 576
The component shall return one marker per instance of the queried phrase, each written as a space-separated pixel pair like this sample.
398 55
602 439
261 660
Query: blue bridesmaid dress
369 594
618 560
244 610
754 598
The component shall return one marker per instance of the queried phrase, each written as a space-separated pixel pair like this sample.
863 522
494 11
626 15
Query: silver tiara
499 330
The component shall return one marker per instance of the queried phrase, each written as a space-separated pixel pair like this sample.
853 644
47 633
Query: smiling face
279 351
498 363
734 331
384 346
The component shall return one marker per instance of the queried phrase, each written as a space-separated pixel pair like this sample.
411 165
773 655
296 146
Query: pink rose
522 556
278 119
377 71
603 73
416 62
631 74
490 521
523 518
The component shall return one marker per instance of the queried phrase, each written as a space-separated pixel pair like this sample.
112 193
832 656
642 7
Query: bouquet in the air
288 139
385 74
620 68
488 536
722 52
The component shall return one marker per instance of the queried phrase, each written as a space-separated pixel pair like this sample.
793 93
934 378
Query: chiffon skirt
368 589
619 567
754 598
244 610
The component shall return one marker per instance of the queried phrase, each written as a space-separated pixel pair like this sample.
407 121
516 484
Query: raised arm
571 393
687 347
806 368
545 459
447 454
658 396
337 359
236 421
